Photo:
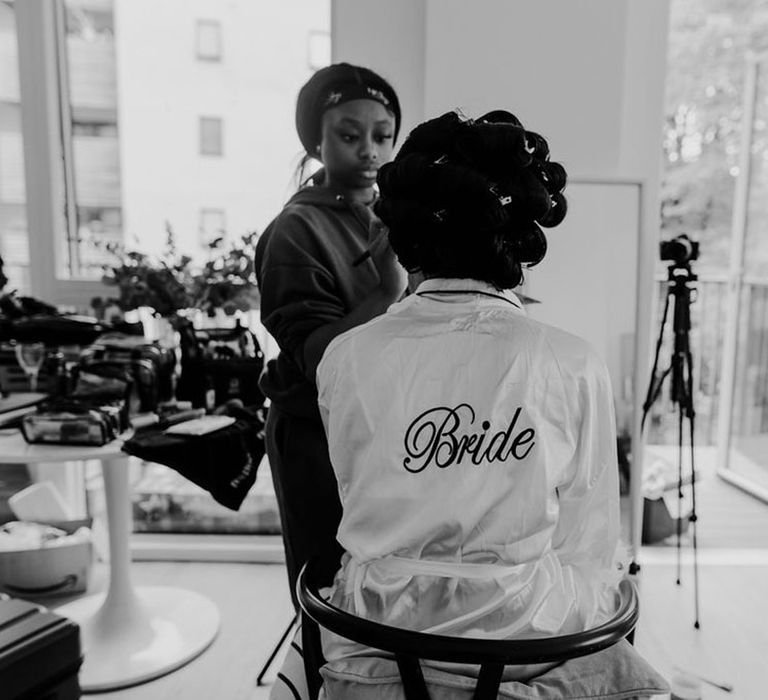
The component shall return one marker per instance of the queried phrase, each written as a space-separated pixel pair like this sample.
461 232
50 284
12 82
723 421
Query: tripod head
680 251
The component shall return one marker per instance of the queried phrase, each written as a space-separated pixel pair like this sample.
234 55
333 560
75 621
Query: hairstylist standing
313 287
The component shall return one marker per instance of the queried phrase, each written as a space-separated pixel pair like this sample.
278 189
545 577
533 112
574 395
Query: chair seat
409 647
616 672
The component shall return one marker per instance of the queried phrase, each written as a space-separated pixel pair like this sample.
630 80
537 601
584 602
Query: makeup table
129 635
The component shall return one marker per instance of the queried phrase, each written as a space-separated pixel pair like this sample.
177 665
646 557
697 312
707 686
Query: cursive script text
442 436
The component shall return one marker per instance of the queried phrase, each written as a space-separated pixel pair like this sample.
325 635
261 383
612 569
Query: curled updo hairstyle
468 198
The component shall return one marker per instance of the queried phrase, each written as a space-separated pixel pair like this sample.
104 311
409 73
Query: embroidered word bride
442 436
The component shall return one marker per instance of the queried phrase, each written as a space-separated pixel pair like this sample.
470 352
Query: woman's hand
394 278
393 283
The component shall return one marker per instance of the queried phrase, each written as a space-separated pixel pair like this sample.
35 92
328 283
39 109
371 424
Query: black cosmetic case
40 653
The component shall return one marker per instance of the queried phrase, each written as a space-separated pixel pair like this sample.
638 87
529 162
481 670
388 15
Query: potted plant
227 281
141 280
170 286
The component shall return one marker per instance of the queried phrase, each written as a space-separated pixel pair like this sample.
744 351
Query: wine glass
30 357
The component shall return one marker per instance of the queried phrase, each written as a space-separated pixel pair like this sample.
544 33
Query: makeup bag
150 365
68 422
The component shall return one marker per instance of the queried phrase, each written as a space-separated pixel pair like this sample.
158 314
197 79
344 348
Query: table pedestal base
154 631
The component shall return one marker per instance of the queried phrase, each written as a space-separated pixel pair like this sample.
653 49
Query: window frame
49 175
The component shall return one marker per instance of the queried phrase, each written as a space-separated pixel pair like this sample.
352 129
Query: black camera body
680 250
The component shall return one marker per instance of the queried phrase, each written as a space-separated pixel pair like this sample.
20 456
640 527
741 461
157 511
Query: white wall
587 283
542 60
588 74
389 38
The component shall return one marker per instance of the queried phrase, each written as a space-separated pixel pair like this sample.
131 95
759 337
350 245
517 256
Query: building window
208 40
213 224
211 137
319 49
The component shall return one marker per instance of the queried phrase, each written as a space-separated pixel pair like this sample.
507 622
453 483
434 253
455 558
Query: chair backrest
408 646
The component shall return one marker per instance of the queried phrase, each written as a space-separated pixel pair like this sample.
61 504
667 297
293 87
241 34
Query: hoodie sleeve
298 292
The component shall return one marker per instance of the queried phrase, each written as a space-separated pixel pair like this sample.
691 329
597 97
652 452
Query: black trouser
310 511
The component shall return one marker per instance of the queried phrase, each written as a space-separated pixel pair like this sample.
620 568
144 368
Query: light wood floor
253 600
732 644
255 608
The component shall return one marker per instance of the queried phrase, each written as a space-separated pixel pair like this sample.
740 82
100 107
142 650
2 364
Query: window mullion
71 267
38 84
47 158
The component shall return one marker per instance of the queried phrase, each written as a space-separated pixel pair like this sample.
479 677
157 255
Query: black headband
354 91
332 86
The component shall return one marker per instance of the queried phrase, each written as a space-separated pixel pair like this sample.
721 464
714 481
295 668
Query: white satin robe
475 453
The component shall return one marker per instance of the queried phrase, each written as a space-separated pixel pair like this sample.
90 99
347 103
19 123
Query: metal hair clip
332 99
504 199
442 159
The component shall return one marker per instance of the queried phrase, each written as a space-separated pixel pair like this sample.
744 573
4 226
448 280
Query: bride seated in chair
474 448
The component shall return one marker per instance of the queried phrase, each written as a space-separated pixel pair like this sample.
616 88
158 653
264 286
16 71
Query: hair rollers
468 198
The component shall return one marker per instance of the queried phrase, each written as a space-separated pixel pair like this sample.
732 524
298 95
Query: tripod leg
275 651
654 386
679 485
693 517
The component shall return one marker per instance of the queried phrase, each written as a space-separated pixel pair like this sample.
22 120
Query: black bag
219 364
223 462
151 366
105 383
40 653
55 330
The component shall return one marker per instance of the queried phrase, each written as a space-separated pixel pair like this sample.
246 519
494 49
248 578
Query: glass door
743 425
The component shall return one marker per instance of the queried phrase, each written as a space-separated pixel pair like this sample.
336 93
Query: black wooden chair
408 647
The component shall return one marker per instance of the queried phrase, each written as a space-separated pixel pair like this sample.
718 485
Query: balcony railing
92 81
708 313
97 170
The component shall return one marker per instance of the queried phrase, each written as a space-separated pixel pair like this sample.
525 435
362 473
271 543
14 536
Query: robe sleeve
586 537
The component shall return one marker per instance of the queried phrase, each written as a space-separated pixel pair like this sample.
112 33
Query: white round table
129 635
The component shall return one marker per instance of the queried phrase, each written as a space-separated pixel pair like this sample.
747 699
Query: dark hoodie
307 280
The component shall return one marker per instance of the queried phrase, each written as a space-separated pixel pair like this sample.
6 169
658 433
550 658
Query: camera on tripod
680 292
680 250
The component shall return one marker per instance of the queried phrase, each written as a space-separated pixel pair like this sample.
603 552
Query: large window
133 130
708 44
715 188
744 407
112 142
